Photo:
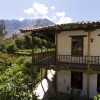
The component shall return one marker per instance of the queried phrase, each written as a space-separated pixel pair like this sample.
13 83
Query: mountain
13 26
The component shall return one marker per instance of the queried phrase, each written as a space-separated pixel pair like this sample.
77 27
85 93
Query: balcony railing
94 60
66 60
44 58
79 62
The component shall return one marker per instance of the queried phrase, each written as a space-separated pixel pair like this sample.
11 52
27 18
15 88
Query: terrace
50 60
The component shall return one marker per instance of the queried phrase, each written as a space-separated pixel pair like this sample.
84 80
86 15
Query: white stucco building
77 56
77 77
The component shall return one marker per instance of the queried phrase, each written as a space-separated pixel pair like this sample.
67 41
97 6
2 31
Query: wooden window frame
81 52
76 80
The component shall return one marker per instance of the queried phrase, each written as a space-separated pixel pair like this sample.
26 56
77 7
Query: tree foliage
19 43
2 27
11 49
16 83
27 42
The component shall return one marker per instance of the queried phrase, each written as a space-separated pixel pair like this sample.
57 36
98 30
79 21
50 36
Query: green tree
44 42
37 42
19 43
27 42
2 28
14 36
16 83
49 44
11 49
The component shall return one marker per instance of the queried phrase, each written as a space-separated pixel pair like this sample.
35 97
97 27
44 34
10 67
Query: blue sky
58 11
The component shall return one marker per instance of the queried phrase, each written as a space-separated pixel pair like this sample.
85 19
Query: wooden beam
33 80
56 47
91 72
89 41
78 35
88 74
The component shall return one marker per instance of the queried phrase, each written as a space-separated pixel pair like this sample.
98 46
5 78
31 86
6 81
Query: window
77 46
98 82
76 80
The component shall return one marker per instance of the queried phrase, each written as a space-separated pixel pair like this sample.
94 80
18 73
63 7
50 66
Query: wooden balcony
66 61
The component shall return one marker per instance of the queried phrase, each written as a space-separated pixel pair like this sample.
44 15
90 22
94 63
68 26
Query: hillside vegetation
17 75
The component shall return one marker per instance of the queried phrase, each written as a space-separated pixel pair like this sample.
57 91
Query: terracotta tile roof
68 27
48 32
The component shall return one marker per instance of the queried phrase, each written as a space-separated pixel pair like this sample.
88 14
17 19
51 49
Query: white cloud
53 7
21 19
63 20
37 10
40 8
29 11
54 17
60 14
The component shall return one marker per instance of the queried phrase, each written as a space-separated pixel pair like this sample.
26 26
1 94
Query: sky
58 11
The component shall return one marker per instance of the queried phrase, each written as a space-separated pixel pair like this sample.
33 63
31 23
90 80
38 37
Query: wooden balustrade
48 58
94 60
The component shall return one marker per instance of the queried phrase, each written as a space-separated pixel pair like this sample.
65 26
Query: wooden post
41 51
89 40
32 51
88 83
56 87
33 59
32 67
41 74
56 59
41 46
41 80
56 55
88 74
47 45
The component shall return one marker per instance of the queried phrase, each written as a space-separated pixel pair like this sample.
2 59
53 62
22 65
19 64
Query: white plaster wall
64 48
95 45
84 91
93 85
64 42
64 80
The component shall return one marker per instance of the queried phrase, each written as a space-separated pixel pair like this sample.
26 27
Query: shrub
19 43
11 49
16 84
27 62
